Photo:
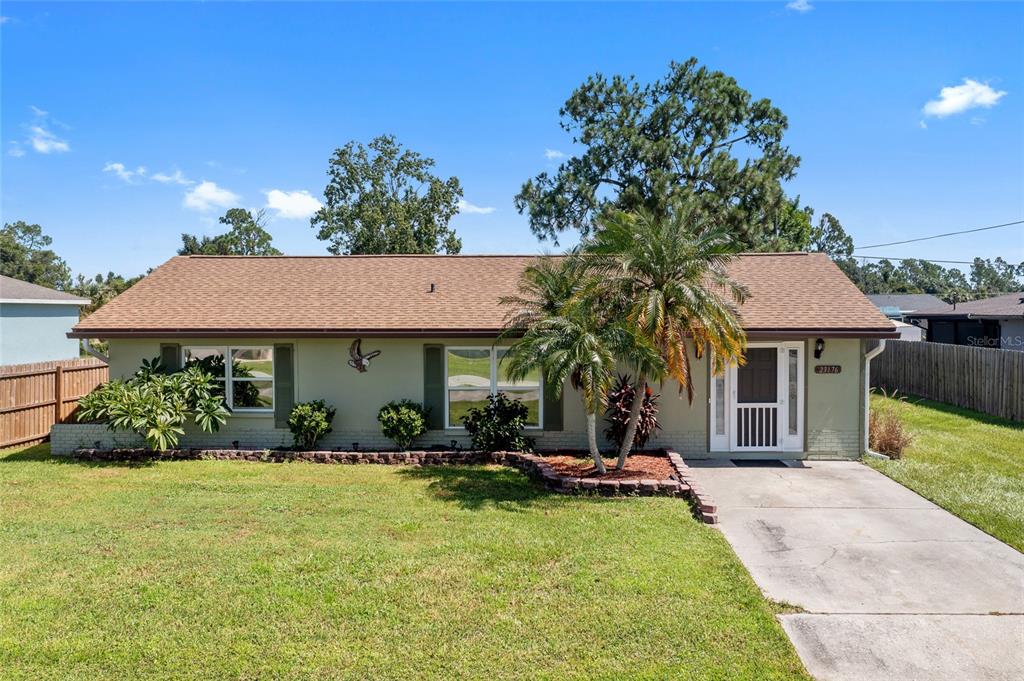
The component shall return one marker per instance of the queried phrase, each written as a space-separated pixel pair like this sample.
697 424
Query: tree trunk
639 393
592 443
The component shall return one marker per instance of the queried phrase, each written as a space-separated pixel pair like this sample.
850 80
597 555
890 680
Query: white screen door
759 407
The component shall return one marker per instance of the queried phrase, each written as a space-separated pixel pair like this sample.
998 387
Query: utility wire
939 236
885 257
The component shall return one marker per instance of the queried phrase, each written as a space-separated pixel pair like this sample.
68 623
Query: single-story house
900 307
996 322
35 321
426 328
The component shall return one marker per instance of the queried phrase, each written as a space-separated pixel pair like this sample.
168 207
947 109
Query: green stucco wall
832 404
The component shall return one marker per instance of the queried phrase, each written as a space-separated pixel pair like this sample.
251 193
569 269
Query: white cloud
129 176
4 20
922 125
959 98
292 205
16 149
207 195
552 154
37 112
467 207
45 142
801 6
174 178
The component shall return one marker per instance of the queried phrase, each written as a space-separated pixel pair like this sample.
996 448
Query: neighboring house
996 322
288 325
35 321
909 332
900 307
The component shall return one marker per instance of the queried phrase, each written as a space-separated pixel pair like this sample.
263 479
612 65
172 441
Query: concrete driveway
893 587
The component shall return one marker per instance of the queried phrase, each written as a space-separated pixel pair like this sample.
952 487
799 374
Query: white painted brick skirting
67 437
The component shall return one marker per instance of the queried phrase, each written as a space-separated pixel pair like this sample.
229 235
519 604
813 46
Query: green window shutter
552 408
284 384
170 357
433 385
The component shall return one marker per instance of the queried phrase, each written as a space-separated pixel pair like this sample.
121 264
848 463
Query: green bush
156 404
402 422
498 426
310 421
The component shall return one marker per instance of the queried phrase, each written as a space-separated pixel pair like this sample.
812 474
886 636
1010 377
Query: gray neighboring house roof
17 291
1006 306
907 302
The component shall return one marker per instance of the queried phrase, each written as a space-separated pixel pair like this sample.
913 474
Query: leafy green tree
101 289
830 238
24 255
991 277
383 199
928 277
694 132
667 277
247 236
787 229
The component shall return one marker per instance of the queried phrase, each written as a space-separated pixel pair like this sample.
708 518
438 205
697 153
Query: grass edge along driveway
969 463
210 569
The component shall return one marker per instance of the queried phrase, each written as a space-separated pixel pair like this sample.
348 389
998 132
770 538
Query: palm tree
667 276
563 334
545 287
578 346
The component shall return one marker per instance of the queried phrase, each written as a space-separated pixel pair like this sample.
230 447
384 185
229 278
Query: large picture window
247 380
474 373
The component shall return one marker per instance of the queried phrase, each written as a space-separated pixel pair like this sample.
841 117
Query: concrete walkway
893 587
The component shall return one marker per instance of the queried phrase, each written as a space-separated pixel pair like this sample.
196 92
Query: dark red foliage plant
616 415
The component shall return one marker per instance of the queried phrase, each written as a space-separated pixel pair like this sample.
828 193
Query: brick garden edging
681 483
701 498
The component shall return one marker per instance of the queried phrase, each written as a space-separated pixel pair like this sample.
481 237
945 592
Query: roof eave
761 333
79 302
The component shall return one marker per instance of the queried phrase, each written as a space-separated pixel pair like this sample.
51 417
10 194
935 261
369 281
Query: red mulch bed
638 467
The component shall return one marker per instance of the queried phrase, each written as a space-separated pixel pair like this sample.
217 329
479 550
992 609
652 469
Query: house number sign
828 369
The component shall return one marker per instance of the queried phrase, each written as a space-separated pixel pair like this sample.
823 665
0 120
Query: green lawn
205 569
968 463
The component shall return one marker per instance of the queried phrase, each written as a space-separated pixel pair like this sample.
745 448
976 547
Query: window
794 388
248 379
720 405
474 373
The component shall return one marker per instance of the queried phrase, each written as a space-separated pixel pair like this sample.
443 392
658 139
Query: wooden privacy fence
35 396
983 379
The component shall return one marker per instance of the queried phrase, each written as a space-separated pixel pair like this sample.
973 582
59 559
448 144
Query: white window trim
493 388
229 379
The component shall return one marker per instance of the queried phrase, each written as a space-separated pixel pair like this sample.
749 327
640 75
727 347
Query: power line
885 257
939 236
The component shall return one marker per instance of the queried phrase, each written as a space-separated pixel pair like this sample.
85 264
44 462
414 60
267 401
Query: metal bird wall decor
359 361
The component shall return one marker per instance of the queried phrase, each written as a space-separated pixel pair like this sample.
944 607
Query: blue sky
223 104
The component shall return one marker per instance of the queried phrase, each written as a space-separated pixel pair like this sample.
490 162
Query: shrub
620 402
497 427
402 422
886 432
310 421
156 405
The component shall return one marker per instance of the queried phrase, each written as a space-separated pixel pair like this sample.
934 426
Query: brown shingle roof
345 295
1008 305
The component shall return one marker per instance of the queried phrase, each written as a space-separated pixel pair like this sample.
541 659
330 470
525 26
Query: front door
756 402
758 407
